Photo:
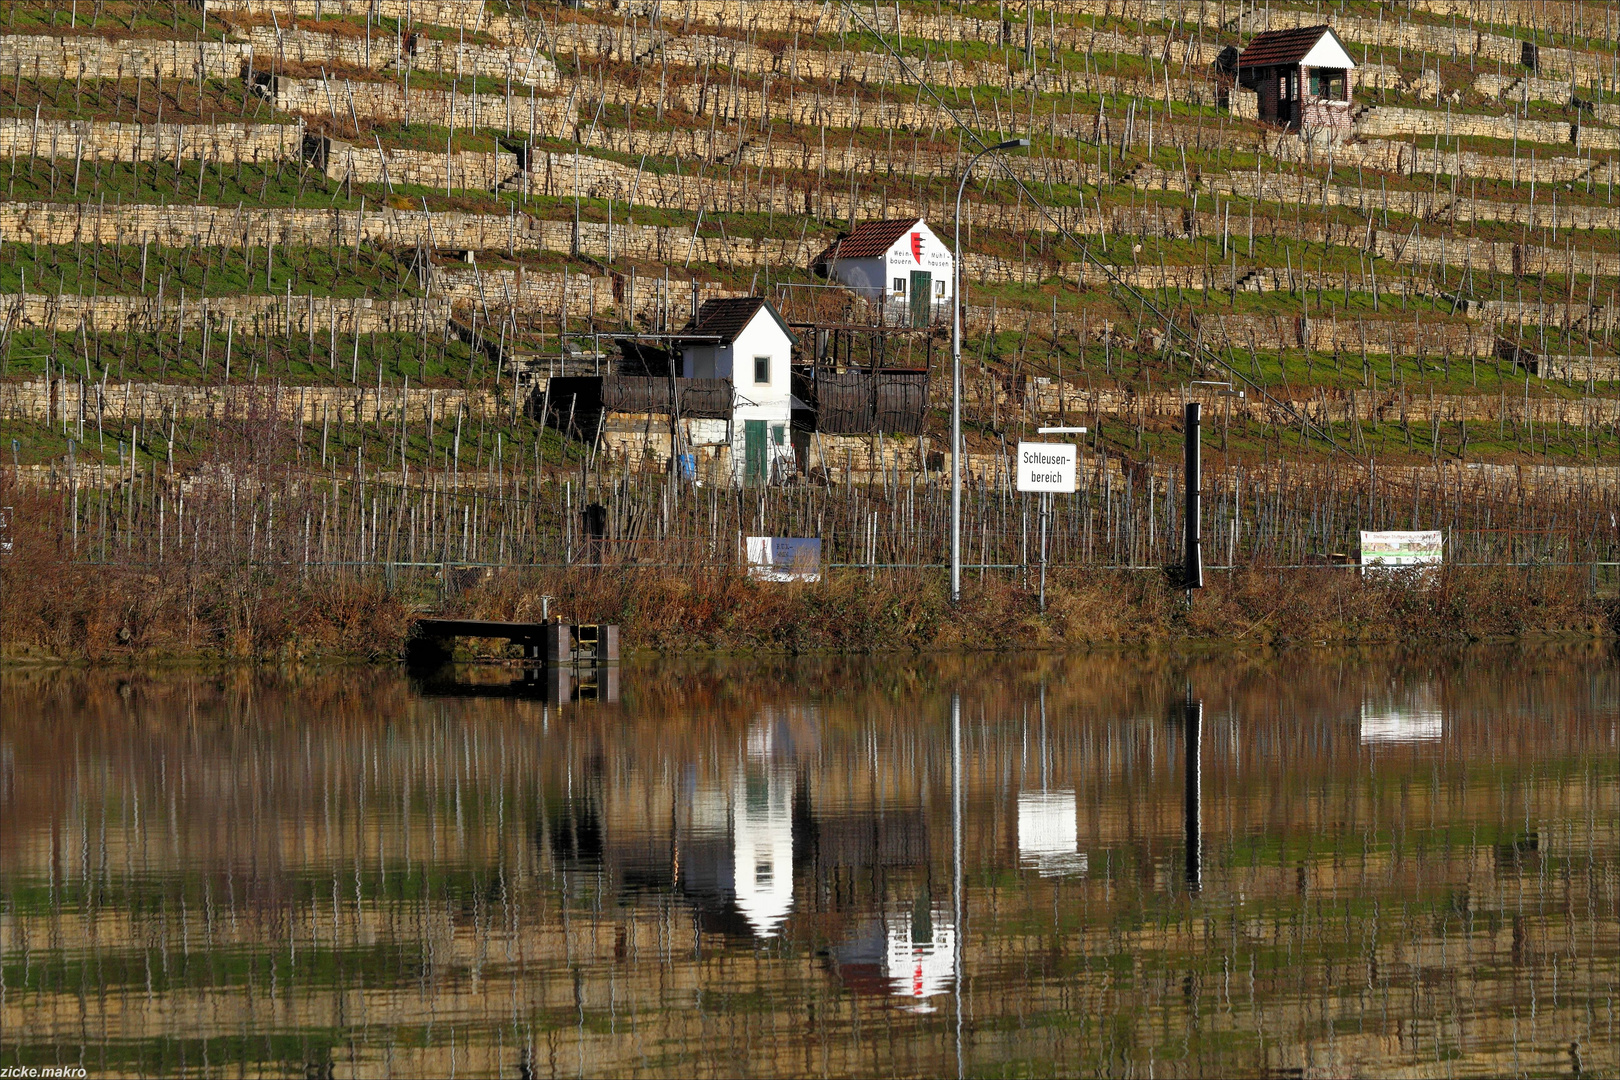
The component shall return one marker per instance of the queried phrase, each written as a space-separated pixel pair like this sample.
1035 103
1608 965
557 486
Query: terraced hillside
339 249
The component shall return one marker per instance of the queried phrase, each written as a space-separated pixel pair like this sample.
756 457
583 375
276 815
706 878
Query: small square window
899 286
762 369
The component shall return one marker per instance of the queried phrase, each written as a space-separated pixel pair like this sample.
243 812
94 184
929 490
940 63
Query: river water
1308 863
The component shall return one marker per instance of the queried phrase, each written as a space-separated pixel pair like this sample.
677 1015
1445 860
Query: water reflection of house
736 840
762 846
736 852
741 843
909 954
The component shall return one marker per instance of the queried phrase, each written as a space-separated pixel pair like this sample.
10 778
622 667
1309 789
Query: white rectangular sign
1046 466
1401 549
784 558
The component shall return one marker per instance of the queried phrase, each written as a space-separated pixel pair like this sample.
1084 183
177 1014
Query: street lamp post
956 373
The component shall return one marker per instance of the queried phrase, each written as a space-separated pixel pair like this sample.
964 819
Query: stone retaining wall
90 56
558 174
1326 408
465 169
847 110
1404 158
46 401
557 117
57 223
767 152
468 13
619 43
464 293
1547 211
101 140
526 112
1578 369
56 400
732 191
1382 121
1499 257
178 226
1504 13
1519 88
1200 23
486 296
433 55
249 315
1521 314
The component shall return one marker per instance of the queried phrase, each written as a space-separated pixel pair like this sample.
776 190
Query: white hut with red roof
900 264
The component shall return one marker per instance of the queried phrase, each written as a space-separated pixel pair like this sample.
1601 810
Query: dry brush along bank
262 559
78 612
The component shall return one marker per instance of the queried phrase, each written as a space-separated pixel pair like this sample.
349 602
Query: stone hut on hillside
1301 79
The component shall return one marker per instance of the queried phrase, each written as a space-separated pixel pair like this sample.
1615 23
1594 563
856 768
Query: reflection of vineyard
311 870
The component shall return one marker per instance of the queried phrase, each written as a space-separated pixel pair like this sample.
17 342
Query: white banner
1401 549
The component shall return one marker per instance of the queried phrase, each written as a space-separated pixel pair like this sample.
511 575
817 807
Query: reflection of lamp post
956 862
956 372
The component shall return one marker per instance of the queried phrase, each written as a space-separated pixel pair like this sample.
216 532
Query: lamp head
1011 144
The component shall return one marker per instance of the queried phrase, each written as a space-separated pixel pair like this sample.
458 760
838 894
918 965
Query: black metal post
1192 549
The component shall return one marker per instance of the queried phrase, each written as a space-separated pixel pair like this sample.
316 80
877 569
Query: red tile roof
1280 47
868 240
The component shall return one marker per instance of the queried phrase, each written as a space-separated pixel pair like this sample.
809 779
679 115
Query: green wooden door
754 452
922 295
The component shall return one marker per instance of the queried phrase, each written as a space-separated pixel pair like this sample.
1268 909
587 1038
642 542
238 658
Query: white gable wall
770 402
1327 53
874 278
935 257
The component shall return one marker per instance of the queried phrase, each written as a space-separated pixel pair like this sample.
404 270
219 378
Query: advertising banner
1397 550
